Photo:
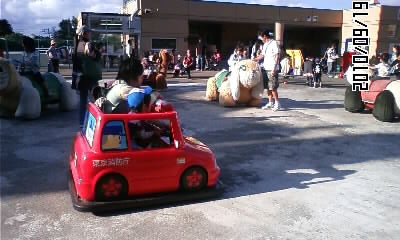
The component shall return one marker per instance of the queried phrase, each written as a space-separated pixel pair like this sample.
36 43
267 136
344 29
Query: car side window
89 127
113 136
148 134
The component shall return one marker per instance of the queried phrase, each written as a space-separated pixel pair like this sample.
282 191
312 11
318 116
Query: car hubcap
194 179
112 188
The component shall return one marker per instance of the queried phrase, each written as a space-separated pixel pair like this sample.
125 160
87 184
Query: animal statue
22 98
243 86
161 78
382 98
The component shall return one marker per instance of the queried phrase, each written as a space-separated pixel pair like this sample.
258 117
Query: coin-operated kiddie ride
382 98
138 159
24 98
243 86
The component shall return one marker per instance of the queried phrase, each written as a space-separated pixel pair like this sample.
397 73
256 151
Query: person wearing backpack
86 68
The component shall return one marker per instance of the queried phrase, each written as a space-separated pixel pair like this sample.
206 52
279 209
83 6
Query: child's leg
309 79
318 79
188 72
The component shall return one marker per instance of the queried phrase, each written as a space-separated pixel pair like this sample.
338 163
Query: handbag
91 69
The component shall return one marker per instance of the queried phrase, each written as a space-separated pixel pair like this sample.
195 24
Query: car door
154 169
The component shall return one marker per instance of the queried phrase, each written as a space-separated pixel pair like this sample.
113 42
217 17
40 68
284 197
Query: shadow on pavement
256 155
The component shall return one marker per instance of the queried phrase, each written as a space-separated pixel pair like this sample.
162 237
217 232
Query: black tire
384 107
352 101
194 179
111 187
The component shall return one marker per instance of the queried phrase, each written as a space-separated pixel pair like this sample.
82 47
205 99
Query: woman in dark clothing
80 81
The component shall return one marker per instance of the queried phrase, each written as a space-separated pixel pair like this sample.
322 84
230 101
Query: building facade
178 24
383 28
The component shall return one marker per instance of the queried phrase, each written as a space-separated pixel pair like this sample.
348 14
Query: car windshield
89 127
150 133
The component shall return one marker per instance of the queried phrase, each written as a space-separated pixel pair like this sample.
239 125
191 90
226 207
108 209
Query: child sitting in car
144 133
129 77
382 69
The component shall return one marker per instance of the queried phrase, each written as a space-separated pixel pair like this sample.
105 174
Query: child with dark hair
129 77
131 71
317 73
143 132
30 64
308 70
188 63
235 57
383 68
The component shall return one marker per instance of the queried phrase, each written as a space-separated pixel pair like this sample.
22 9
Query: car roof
126 116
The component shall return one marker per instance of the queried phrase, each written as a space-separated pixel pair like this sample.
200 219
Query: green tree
5 27
66 31
14 41
41 41
74 22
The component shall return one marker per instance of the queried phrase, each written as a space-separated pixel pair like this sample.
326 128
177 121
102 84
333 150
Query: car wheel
384 107
352 101
111 187
193 179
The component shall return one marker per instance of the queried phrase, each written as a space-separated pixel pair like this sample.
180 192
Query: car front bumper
143 201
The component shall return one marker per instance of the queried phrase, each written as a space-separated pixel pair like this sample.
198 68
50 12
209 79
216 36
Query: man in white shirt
331 56
270 55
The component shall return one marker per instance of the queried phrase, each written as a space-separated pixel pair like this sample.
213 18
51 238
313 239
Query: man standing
200 54
331 56
270 55
53 57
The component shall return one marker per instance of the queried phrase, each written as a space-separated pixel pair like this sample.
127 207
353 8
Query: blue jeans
331 66
200 62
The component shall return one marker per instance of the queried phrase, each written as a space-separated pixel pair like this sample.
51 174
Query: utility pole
46 31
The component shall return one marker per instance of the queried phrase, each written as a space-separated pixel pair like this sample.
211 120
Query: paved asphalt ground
309 171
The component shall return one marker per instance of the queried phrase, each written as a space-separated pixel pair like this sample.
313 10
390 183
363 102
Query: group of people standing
266 52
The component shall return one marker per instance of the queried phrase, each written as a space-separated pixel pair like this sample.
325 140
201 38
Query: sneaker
320 85
268 105
276 107
315 85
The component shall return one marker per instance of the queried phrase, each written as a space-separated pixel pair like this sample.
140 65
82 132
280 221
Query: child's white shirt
383 69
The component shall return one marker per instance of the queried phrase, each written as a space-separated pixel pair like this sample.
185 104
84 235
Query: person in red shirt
217 56
188 63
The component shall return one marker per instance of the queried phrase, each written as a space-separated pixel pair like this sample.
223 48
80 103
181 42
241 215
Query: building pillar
279 29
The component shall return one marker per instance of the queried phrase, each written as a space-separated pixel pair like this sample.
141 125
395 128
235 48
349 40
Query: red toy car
111 164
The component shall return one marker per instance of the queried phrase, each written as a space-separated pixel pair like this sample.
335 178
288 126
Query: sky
30 16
